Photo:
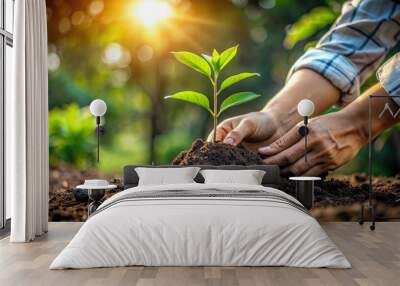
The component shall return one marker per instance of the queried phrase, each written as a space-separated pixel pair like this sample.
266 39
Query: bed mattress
201 225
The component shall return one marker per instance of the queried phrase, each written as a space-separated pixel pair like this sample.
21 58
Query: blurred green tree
71 138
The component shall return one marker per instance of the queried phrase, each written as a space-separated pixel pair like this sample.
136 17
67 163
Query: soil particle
207 153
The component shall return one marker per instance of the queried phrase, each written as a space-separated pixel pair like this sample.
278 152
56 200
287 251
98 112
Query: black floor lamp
305 184
305 109
371 202
98 108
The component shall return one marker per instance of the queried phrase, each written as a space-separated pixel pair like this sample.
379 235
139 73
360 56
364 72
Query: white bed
224 225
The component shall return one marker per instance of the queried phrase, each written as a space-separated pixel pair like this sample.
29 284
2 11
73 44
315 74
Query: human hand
333 140
256 128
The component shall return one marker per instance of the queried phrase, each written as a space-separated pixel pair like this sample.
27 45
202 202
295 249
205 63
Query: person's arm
355 45
335 138
304 84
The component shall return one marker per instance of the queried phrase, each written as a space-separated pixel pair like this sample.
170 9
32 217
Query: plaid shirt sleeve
355 46
389 76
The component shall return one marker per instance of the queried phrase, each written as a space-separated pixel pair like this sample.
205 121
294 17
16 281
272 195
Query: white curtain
26 124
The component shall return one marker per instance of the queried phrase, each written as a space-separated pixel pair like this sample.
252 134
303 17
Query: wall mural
122 52
387 109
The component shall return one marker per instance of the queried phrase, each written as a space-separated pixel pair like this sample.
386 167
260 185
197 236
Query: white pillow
248 177
166 176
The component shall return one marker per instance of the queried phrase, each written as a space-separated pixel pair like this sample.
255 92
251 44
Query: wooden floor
375 257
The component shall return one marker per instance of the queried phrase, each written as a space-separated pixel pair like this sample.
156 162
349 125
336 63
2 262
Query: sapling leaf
215 60
237 99
194 61
226 56
208 58
215 54
235 79
192 97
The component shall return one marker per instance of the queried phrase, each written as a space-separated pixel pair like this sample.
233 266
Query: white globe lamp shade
98 107
305 107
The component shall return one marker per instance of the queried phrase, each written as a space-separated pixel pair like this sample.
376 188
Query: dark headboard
271 177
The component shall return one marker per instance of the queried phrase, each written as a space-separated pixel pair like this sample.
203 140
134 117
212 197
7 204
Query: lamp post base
305 193
97 198
305 190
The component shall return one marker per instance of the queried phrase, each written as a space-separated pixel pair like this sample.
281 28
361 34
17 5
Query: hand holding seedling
211 67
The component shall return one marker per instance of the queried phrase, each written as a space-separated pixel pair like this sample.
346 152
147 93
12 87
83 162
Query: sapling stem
215 107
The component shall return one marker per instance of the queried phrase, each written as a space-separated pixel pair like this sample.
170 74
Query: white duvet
201 231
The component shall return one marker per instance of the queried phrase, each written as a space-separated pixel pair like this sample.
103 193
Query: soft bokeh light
96 7
53 62
113 53
240 3
64 26
258 34
119 77
77 18
267 4
145 53
152 12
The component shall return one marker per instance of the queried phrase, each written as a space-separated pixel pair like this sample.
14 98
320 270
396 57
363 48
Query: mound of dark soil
207 153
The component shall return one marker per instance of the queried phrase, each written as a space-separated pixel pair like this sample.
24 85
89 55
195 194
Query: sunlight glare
152 12
113 53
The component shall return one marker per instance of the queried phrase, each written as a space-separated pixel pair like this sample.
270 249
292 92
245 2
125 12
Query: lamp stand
99 131
303 130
